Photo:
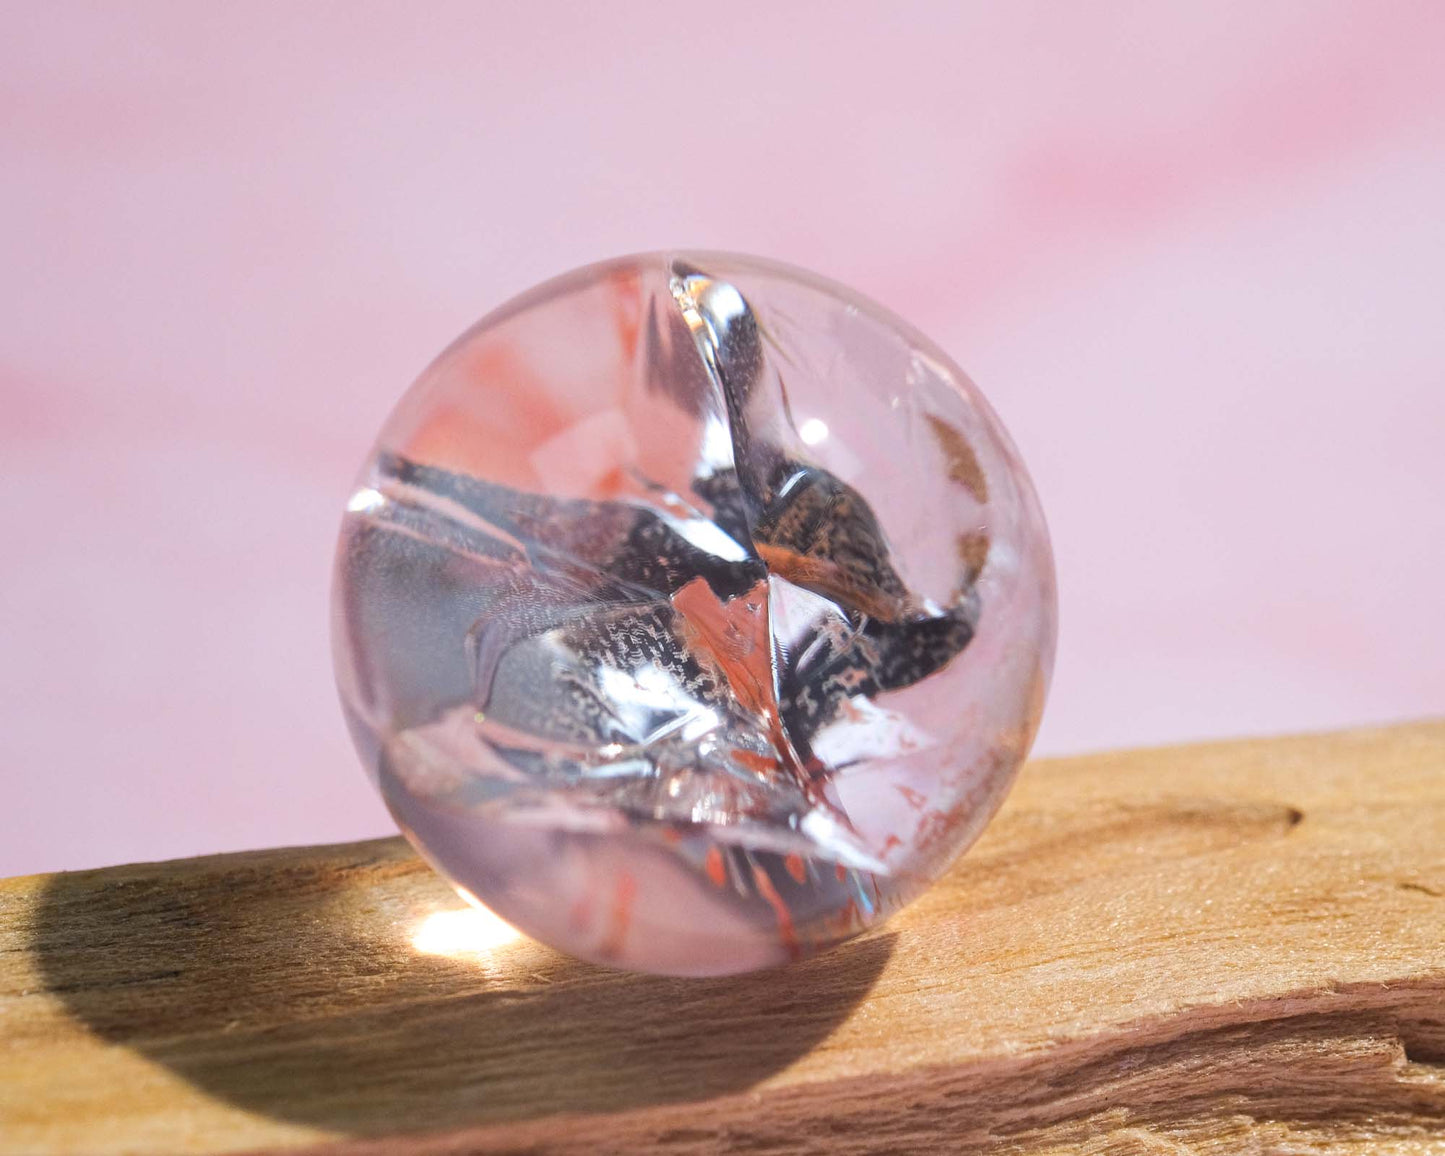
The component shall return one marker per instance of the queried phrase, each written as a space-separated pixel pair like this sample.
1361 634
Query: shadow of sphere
287 984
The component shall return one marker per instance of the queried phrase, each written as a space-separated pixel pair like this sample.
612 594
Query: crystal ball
692 613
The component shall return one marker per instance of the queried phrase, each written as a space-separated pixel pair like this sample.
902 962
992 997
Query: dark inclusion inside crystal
619 655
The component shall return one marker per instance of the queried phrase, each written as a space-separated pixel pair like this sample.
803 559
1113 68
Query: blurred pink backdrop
1193 254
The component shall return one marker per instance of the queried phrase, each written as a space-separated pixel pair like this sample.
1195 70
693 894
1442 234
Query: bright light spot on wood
470 931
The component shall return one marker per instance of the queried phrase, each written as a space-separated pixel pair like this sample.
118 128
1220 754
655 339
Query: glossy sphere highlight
693 613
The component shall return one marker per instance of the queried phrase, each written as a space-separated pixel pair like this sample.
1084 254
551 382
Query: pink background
1193 254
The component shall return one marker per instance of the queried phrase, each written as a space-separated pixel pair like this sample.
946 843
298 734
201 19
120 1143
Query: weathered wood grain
1231 948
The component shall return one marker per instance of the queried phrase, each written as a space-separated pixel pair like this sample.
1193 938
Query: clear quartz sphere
693 613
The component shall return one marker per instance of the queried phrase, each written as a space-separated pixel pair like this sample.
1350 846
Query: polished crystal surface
693 613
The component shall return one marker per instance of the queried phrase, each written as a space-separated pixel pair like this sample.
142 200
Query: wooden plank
1237 947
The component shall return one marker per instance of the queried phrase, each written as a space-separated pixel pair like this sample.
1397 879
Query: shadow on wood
294 990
